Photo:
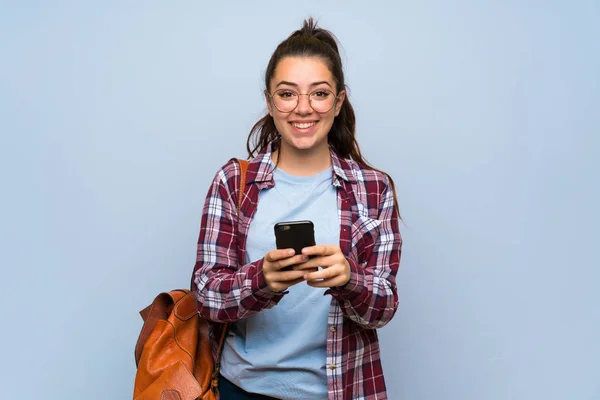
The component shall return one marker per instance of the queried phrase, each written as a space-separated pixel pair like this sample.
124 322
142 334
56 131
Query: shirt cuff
354 287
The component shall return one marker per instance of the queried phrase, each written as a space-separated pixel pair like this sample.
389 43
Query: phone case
295 235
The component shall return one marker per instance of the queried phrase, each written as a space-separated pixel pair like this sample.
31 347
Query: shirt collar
261 167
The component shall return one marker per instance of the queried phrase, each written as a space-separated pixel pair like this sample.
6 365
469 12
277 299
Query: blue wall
115 115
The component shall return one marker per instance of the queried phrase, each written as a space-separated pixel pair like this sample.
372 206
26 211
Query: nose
303 105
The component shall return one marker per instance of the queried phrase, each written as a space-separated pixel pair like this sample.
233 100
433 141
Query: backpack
173 352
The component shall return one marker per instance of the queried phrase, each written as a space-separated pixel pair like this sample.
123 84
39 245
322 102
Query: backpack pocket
175 383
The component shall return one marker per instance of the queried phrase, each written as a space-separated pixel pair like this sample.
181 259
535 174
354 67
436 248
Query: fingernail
291 252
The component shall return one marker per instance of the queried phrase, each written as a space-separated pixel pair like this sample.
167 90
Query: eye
286 94
321 94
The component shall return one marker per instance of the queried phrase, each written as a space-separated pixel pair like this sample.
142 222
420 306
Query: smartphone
294 235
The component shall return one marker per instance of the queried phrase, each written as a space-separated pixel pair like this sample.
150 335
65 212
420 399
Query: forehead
302 71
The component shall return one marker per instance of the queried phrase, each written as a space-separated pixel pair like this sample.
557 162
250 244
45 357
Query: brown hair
311 41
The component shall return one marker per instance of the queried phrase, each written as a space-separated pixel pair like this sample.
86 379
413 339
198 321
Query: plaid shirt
229 290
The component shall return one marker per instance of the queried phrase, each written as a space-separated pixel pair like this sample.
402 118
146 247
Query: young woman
308 332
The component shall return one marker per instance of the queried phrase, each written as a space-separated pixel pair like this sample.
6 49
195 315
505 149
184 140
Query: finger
305 269
310 264
281 286
321 250
294 282
287 262
327 273
315 262
325 283
287 276
275 255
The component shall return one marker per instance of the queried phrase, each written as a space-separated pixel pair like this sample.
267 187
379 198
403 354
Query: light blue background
115 115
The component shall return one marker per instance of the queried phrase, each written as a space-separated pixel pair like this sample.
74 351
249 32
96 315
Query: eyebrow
296 85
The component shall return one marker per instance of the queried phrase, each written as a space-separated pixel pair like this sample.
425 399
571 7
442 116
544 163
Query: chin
303 143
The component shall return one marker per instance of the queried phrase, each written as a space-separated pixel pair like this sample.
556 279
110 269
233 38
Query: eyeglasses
286 100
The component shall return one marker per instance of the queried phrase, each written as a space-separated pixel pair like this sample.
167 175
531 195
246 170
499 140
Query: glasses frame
336 98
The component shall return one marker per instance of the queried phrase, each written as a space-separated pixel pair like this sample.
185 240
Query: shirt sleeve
370 297
226 290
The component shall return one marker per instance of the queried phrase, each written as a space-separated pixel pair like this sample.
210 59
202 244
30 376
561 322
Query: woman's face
303 128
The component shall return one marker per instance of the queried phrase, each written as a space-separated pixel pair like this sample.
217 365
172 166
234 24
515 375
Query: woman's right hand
274 261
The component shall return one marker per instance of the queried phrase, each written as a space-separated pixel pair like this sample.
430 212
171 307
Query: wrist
260 285
353 287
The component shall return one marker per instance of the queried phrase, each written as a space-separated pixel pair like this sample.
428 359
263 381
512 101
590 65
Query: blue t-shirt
281 352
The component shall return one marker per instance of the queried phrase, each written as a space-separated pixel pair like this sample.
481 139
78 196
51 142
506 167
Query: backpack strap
243 171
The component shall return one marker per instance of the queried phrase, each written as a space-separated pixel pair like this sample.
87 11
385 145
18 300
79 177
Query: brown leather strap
159 309
243 171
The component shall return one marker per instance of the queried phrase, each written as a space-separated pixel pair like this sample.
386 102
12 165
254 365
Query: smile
303 125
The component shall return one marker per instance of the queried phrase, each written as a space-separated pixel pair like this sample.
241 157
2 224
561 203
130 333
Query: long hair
312 41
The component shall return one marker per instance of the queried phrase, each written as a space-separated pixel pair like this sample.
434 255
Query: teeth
304 126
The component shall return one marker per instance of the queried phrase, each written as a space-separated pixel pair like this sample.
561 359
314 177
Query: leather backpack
173 352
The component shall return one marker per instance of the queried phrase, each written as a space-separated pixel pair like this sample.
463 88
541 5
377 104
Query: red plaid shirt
229 290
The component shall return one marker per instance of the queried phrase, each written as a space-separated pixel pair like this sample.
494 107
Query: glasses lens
322 100
285 100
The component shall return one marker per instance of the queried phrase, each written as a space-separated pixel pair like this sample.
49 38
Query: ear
269 104
340 102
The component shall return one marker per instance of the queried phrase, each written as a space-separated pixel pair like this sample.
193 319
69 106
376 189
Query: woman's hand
336 269
276 260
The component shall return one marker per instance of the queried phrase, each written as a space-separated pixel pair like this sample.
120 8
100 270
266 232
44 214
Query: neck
302 162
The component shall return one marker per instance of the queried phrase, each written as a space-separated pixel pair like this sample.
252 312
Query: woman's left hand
336 269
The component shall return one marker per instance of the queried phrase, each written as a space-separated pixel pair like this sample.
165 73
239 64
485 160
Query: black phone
294 235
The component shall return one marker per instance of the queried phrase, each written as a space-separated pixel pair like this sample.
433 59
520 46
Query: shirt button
333 329
332 366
